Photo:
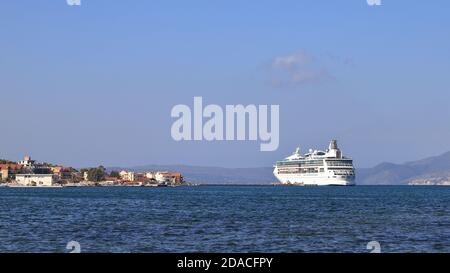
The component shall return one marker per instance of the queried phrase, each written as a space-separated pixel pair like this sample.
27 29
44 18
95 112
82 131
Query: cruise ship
316 168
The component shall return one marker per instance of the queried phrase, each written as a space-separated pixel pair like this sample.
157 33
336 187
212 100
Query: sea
226 219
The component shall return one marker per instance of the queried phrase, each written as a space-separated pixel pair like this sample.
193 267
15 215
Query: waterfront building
169 177
127 176
62 172
38 180
9 170
150 175
4 174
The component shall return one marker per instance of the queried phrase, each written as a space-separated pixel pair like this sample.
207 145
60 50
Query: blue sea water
226 219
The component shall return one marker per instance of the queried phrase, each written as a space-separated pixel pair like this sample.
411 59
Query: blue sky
95 84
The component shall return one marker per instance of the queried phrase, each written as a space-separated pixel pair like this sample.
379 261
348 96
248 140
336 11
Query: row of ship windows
311 162
317 163
310 170
340 164
315 170
344 173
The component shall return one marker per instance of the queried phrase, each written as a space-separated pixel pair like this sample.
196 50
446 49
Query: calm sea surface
226 219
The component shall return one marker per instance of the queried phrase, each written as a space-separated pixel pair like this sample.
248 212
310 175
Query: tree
96 174
114 174
5 161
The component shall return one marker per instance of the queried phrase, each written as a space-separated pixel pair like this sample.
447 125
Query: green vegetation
114 174
5 161
95 174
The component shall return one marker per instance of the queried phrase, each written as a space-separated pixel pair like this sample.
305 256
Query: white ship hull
302 180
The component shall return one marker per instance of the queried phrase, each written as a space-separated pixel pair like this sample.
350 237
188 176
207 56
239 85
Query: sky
95 84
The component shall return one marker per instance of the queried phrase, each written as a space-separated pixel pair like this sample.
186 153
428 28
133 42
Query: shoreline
211 185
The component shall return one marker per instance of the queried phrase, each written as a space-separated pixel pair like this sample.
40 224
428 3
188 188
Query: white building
127 176
38 180
169 177
27 162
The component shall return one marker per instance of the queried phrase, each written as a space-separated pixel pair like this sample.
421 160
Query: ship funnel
334 150
333 145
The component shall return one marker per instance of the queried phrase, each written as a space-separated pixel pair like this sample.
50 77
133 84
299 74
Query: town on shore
30 173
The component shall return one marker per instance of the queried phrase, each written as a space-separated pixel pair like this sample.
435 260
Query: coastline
219 185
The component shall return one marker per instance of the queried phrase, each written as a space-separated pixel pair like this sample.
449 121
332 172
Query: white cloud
297 69
374 2
292 61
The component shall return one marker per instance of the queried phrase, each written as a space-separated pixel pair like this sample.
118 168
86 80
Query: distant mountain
434 170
